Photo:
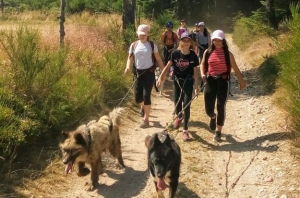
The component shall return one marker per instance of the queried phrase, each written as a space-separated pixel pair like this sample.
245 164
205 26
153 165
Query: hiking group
187 57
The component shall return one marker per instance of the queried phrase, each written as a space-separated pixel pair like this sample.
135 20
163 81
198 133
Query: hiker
169 40
215 71
143 54
202 39
185 62
182 28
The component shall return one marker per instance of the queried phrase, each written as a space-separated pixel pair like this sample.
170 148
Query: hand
204 78
127 70
242 85
196 92
158 82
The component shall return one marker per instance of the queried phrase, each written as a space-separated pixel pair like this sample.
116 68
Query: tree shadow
136 181
256 144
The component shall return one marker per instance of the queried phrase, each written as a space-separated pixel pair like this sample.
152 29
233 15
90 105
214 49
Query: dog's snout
65 161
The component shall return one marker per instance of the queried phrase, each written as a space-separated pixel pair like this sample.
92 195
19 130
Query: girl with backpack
215 70
202 39
143 53
182 28
185 81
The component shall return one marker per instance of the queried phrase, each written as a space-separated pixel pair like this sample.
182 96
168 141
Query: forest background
46 89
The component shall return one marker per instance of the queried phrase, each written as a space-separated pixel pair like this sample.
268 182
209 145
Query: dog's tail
115 116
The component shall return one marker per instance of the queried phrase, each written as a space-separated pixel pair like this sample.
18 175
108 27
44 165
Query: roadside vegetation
279 71
46 89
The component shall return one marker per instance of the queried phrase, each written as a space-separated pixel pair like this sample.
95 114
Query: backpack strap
166 36
134 44
227 60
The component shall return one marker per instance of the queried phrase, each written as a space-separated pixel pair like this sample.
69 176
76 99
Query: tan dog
87 142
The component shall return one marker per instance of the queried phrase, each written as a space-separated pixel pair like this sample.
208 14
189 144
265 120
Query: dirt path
253 160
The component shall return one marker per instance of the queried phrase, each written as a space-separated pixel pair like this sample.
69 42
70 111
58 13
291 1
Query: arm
237 72
196 79
159 60
128 63
163 74
202 67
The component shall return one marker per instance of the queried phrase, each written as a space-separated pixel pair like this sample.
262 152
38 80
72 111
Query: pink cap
185 35
142 30
218 34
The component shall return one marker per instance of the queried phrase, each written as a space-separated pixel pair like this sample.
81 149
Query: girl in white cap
202 39
140 52
215 69
186 75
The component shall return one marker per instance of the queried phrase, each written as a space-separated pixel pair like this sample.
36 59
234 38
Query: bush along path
253 159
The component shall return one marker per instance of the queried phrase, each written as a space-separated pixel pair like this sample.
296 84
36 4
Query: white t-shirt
143 55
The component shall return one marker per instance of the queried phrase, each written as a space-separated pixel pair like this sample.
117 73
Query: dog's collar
88 131
111 125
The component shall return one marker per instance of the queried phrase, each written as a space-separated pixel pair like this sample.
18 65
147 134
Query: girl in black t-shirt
185 62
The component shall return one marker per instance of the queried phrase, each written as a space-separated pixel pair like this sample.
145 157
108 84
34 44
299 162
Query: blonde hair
192 45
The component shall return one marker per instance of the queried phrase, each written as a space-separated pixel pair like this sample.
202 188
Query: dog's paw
83 172
91 187
120 166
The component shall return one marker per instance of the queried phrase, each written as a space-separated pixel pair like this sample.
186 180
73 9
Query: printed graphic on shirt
182 64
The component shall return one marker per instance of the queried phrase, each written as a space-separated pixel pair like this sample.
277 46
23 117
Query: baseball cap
142 29
201 23
182 20
185 35
218 34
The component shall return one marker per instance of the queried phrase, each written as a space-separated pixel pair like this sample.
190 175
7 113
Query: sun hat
142 29
185 35
201 23
218 34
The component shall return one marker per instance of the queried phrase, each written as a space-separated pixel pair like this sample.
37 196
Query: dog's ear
156 140
80 139
147 141
65 135
168 141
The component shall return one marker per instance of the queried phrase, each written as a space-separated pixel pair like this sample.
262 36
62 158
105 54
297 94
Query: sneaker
177 123
185 135
142 112
145 124
212 123
217 136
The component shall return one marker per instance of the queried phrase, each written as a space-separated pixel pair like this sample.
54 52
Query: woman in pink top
215 69
182 28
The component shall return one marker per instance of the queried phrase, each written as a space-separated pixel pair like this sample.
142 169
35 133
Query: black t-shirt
184 64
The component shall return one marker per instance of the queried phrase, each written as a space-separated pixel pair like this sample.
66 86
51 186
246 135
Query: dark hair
205 32
224 46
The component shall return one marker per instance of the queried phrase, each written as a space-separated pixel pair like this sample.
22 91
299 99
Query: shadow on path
230 144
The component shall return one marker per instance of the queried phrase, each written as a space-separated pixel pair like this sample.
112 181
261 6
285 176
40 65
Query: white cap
201 23
218 34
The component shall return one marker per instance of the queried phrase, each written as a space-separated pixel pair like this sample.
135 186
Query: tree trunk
271 14
61 22
128 16
2 7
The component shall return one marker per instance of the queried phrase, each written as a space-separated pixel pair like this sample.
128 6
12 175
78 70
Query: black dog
164 158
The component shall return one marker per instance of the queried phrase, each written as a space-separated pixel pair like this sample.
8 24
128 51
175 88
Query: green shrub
290 74
249 29
45 91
